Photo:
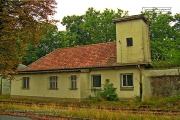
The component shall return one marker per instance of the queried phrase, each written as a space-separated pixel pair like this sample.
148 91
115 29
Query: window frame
53 82
26 83
129 41
92 81
73 82
126 87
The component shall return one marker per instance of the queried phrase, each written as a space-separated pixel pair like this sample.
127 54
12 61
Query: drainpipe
140 82
1 84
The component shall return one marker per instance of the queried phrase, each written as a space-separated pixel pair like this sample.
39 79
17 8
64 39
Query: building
78 72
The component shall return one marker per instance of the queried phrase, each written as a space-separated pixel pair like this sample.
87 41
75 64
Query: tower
132 39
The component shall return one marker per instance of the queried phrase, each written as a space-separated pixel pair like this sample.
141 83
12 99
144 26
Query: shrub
109 92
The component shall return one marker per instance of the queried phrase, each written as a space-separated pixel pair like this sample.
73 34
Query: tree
164 38
21 22
49 42
92 27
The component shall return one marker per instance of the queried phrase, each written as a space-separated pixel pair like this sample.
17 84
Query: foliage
109 92
49 42
97 27
171 102
4 96
92 27
21 22
165 38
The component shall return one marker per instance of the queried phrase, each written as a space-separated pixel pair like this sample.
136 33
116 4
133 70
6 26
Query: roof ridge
85 45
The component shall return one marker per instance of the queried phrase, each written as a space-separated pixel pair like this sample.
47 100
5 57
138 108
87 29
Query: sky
79 7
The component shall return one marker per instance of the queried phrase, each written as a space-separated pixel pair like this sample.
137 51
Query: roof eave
133 17
79 69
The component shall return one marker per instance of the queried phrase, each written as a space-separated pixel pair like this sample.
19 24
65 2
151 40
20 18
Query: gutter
87 69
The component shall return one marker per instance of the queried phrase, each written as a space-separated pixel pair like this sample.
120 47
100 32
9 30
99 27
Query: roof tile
95 55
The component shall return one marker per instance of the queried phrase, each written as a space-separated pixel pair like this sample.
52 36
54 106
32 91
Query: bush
109 92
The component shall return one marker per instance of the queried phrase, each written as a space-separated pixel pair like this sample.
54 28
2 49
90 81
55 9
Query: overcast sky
79 7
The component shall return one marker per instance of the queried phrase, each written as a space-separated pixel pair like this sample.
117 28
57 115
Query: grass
72 110
4 96
87 113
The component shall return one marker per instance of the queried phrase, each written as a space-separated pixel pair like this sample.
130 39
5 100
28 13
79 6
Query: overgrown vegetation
103 109
109 92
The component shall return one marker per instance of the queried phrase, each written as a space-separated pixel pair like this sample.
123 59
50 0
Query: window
25 83
127 81
73 82
129 41
53 82
96 81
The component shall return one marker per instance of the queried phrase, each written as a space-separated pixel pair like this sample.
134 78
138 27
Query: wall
114 77
39 84
140 51
161 82
4 86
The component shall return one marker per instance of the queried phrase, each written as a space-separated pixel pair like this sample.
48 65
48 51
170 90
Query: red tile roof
95 55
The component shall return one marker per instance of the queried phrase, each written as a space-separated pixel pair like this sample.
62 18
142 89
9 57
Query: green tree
164 38
92 27
49 42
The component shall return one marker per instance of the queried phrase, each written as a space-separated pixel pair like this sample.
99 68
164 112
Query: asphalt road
8 117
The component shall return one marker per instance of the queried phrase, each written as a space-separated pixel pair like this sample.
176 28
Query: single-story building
78 72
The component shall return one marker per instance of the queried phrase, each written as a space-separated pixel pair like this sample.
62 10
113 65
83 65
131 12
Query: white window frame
53 82
92 79
127 87
25 82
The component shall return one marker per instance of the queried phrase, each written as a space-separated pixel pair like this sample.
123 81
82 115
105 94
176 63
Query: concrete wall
161 82
39 84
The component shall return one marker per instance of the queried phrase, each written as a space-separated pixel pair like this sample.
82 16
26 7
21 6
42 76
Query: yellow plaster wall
39 86
140 51
84 83
114 77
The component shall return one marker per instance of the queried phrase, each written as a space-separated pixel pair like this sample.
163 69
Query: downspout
1 84
140 82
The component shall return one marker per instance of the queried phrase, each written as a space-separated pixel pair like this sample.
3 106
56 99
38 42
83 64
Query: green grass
4 96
